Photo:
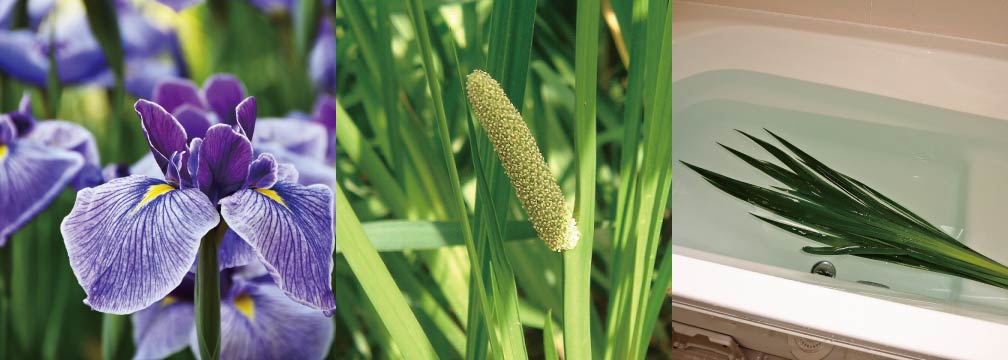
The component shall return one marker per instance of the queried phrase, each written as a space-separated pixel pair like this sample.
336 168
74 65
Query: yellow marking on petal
168 300
153 192
3 151
245 305
272 195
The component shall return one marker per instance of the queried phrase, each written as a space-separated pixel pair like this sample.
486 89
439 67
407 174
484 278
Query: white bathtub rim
822 305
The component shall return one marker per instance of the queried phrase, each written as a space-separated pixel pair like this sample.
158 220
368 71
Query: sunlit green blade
578 261
399 235
377 282
549 347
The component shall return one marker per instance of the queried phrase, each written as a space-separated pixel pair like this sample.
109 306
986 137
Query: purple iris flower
257 321
79 57
133 239
309 145
322 58
37 160
307 142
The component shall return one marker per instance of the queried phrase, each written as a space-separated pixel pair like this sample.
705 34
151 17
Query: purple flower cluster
134 233
133 240
78 56
38 159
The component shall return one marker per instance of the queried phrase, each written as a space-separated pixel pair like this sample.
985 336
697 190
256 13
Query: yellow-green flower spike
523 162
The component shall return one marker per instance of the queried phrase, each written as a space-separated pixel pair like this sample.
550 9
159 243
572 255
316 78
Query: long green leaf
578 262
377 283
622 262
852 219
399 235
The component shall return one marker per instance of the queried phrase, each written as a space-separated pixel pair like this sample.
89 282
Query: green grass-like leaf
849 217
578 261
377 283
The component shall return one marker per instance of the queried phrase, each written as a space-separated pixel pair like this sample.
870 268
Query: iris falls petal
235 252
163 329
132 240
67 136
259 322
31 176
290 226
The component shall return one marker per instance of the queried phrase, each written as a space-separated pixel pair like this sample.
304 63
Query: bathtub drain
824 268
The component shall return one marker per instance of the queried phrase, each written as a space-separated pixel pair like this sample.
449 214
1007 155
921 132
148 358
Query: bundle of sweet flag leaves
849 217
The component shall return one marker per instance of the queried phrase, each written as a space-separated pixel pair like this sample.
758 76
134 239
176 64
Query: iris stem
5 334
112 332
208 294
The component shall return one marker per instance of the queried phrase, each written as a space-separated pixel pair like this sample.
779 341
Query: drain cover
806 349
824 268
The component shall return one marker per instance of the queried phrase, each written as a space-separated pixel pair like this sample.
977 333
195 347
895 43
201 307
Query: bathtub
919 117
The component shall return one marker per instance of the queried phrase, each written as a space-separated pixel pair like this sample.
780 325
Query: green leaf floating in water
850 218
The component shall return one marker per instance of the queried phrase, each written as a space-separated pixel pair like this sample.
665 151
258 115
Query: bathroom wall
985 20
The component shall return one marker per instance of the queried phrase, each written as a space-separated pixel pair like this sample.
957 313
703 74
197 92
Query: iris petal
224 157
291 229
262 173
21 59
73 137
31 176
235 252
322 59
144 73
131 240
162 329
224 92
245 113
164 134
23 119
304 138
67 136
173 93
259 322
8 132
193 120
146 166
310 171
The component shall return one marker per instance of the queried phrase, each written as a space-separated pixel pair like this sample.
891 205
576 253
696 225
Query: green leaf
306 21
851 218
113 331
578 262
549 346
659 293
399 235
101 15
375 279
207 296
